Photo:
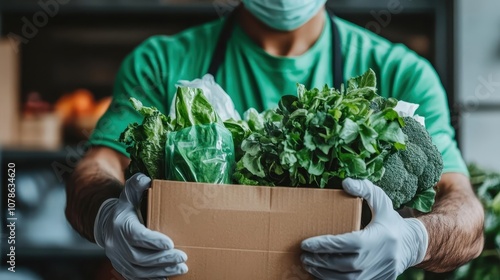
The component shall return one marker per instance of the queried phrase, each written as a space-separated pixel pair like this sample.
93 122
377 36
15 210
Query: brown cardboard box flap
247 232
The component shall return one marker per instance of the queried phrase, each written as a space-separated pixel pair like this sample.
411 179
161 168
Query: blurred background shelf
190 6
33 156
83 45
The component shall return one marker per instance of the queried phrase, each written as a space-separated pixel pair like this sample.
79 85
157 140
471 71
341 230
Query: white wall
478 79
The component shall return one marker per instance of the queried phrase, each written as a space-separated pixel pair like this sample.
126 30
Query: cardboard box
9 93
41 132
247 232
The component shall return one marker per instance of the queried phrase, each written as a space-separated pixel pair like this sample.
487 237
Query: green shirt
254 78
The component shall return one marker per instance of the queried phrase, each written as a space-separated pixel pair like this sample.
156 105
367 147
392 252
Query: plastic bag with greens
200 153
200 148
218 98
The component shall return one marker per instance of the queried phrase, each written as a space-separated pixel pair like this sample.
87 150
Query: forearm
455 225
92 182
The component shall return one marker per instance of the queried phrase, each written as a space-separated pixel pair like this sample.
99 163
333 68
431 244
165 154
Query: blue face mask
285 15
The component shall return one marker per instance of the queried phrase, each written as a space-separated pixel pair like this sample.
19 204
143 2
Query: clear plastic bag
200 153
218 98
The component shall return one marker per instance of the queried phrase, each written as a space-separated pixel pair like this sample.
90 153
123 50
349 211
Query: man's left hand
382 250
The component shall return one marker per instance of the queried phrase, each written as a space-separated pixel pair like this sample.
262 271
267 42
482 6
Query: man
257 55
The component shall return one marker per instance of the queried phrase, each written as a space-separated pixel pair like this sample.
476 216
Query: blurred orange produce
101 107
83 102
80 107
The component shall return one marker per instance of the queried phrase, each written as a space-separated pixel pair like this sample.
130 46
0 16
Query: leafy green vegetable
146 142
321 136
239 131
200 153
487 266
192 108
195 146
423 200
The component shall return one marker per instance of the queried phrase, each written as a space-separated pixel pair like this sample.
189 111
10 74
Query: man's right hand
135 251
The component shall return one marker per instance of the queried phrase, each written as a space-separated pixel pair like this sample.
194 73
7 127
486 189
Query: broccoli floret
397 182
413 170
417 134
411 155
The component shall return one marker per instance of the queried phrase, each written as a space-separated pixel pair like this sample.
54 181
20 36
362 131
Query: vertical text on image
11 216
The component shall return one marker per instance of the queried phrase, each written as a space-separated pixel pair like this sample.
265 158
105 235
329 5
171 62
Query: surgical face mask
285 15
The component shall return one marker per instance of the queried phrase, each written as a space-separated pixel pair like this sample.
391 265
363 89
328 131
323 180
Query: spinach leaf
321 136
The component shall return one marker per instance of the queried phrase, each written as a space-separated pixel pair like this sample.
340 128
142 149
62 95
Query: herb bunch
321 136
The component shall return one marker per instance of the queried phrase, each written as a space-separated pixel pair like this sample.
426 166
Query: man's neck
282 43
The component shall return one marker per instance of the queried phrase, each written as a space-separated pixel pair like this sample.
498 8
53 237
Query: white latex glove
135 251
383 250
